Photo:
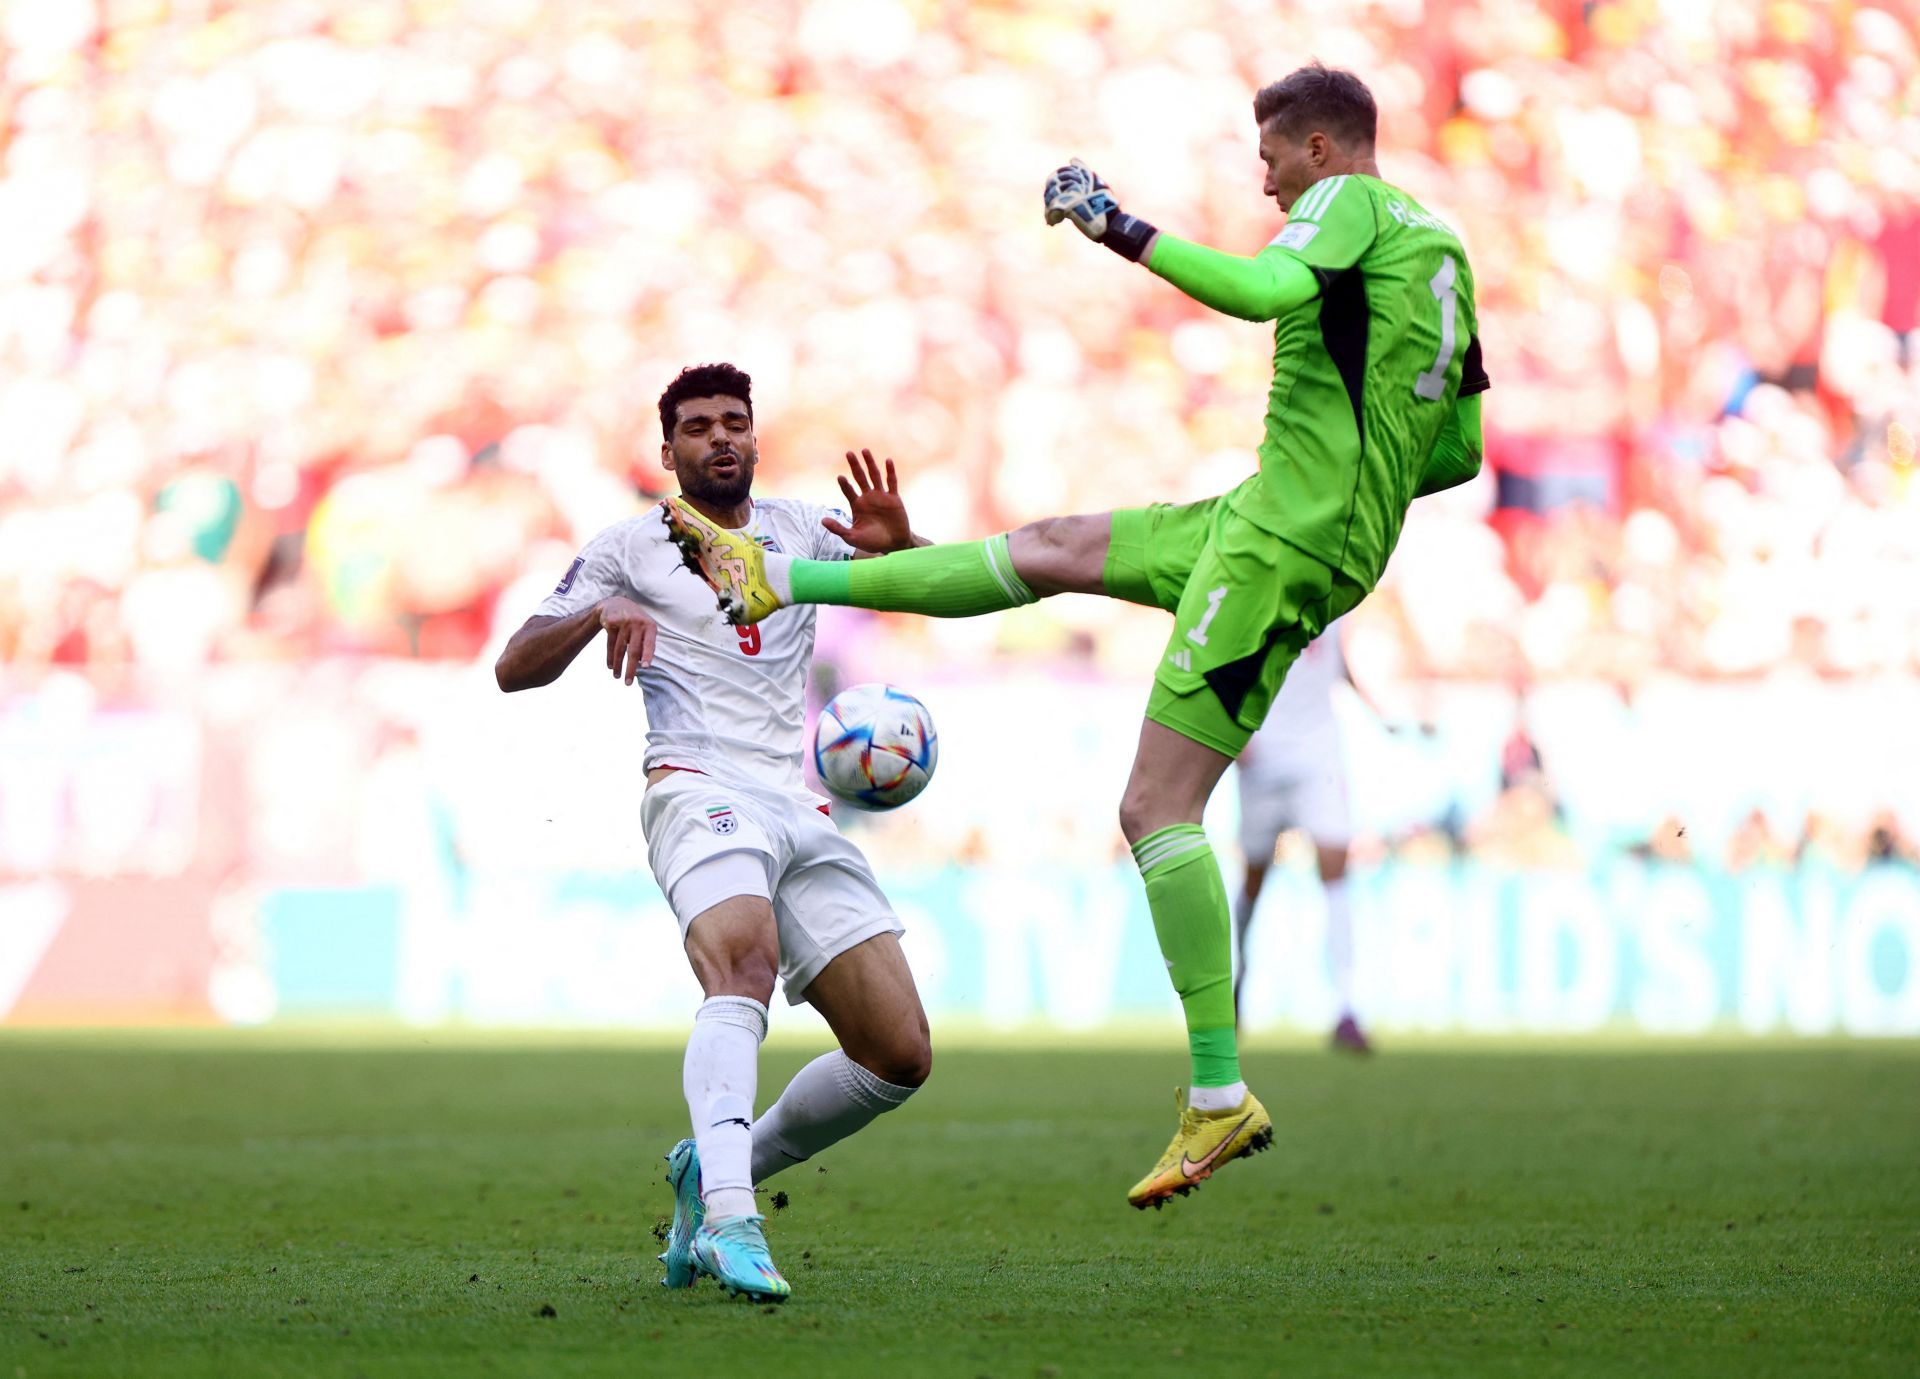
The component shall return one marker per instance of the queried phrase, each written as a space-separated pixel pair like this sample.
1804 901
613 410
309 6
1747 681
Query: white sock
723 1056
1340 944
1216 1098
779 575
829 1099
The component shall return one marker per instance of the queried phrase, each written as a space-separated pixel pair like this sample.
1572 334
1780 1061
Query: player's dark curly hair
1327 99
703 380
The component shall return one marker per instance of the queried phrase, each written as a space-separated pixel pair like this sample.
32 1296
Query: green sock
1189 905
953 581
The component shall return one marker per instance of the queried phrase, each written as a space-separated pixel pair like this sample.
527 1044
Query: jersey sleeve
1330 226
1260 288
1473 373
598 572
827 546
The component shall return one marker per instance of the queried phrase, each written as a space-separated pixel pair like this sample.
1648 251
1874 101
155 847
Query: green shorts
1245 603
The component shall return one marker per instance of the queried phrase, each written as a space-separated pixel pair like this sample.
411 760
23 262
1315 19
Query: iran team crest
720 819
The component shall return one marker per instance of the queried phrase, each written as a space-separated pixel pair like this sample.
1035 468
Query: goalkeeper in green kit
1375 402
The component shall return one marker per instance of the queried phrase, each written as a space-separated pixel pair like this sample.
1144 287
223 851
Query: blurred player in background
758 876
1293 775
1374 402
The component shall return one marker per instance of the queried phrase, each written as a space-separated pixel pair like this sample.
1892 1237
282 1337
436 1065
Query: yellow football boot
1205 1140
731 562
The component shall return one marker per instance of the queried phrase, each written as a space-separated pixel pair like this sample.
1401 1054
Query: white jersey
1301 721
727 701
1292 774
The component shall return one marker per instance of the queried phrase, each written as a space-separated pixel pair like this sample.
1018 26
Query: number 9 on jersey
875 746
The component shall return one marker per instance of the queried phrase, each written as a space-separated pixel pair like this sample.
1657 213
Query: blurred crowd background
329 330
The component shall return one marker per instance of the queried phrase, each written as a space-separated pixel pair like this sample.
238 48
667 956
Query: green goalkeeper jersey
1366 374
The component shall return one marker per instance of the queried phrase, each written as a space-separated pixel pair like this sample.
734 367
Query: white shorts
825 898
1301 785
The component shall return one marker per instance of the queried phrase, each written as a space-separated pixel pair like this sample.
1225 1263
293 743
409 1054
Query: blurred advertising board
399 841
1459 947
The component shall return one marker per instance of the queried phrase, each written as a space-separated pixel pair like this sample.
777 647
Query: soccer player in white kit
761 881
1292 775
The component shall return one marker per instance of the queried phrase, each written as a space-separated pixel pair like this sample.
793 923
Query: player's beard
717 492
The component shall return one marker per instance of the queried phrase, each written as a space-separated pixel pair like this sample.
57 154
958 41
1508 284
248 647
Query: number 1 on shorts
1199 634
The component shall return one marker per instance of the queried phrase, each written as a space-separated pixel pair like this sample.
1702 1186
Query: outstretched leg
1057 555
961 579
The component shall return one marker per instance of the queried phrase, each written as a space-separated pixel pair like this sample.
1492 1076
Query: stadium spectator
297 269
1756 844
1888 841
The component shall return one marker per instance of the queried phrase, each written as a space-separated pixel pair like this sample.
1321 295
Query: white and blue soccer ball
875 746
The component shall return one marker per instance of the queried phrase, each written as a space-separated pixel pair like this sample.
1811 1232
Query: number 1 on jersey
1432 385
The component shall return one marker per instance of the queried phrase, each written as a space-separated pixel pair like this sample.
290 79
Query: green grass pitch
253 1205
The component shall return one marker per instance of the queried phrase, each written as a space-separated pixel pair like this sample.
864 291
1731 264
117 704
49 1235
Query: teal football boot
734 1252
689 1214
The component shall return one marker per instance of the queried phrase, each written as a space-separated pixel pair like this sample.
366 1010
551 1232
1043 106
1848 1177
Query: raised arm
1261 288
1264 287
876 514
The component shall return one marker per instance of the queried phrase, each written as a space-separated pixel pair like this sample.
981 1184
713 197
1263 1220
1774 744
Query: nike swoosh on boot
1190 1169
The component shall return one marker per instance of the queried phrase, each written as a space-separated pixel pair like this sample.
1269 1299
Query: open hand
878 517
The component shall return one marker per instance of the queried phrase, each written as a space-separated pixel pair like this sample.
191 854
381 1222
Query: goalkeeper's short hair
1315 97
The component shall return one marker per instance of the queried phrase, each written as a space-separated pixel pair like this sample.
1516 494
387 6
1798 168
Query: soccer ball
875 746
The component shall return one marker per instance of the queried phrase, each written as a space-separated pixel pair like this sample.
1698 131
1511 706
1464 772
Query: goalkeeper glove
1075 192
